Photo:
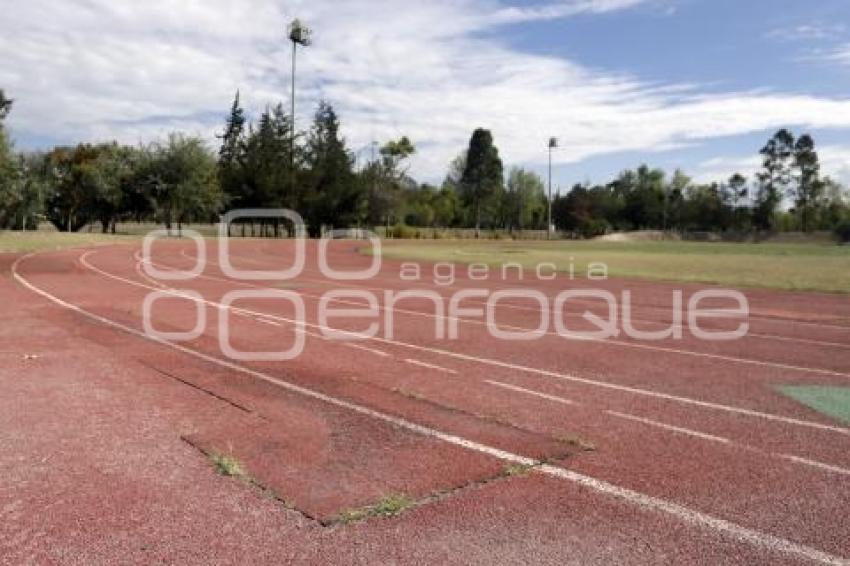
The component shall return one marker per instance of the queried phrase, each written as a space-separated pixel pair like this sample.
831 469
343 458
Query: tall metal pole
553 143
292 123
298 34
549 221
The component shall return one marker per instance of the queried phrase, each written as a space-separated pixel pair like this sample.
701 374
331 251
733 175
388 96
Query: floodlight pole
298 34
292 115
553 143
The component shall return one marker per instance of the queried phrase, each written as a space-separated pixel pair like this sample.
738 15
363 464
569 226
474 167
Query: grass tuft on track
228 466
388 506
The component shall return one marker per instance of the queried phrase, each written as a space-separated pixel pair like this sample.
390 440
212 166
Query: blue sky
695 84
719 46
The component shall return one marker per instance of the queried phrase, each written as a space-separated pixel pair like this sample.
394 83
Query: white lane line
796 459
498 363
812 463
552 398
799 340
429 366
366 349
575 336
738 532
681 430
671 428
262 318
591 303
815 464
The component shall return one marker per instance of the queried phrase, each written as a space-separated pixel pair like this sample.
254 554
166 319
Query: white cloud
808 32
91 69
835 162
840 55
516 14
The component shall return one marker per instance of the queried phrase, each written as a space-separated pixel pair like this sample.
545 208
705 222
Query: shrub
842 231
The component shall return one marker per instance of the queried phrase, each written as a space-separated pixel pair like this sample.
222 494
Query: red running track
694 452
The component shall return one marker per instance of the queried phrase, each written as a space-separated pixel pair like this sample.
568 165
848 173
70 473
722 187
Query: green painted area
832 401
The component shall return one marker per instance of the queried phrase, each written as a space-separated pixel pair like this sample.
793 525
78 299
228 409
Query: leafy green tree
674 193
705 208
447 207
574 211
525 200
73 187
395 152
483 181
809 188
11 195
181 177
113 171
419 205
454 176
89 183
384 181
644 197
33 189
774 179
836 208
5 105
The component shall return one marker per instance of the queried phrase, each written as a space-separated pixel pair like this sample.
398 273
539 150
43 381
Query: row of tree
646 199
175 181
267 164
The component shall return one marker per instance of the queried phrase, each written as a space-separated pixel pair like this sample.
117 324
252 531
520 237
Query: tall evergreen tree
483 176
231 156
809 187
334 197
774 178
740 194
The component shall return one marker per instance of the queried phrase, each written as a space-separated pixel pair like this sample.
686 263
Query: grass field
800 267
47 238
23 242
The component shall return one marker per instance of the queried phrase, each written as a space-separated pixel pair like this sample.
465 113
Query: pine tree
774 178
809 189
483 175
740 192
334 198
231 157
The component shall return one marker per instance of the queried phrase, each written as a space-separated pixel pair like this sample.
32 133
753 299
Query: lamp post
553 144
299 34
